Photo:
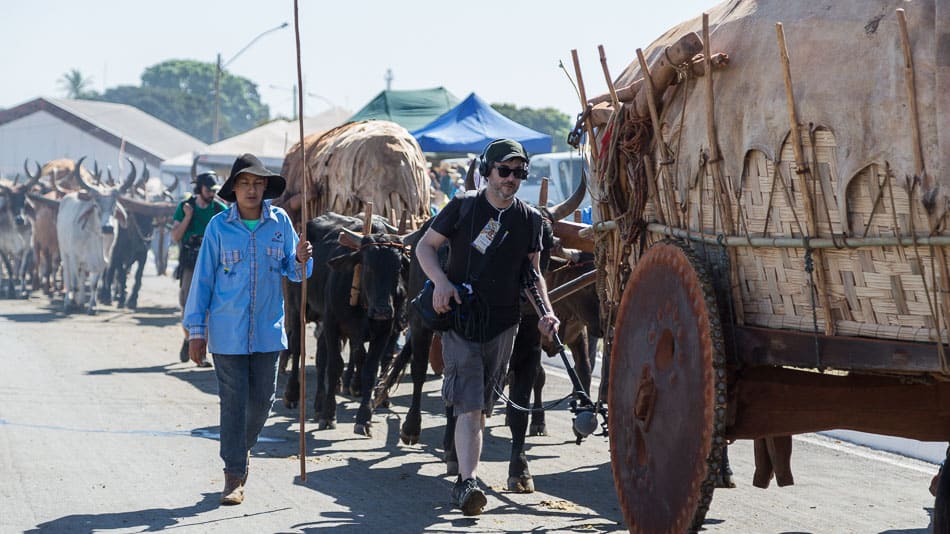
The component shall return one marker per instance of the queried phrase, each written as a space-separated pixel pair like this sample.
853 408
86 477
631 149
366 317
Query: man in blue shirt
236 298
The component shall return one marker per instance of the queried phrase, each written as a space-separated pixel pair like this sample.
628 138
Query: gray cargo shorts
472 369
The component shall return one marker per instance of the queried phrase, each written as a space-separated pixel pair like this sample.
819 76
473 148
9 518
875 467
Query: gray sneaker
469 497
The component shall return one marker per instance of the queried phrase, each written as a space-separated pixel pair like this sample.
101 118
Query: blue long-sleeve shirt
236 288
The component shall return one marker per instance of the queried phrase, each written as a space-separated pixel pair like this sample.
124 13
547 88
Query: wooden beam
771 347
776 401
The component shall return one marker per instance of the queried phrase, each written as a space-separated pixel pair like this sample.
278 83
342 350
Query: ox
45 245
132 243
15 233
85 227
377 318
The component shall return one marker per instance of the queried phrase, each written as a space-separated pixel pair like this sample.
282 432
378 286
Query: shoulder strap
535 225
468 202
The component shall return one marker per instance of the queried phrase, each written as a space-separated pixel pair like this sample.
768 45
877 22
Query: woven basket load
359 162
859 169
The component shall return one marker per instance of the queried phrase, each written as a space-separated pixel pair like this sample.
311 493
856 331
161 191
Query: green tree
181 93
76 85
545 120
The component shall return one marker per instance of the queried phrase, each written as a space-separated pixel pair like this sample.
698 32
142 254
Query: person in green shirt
191 217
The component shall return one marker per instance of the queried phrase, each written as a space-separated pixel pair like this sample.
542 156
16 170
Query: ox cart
770 205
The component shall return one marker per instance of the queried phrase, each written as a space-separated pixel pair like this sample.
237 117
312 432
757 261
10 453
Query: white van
563 171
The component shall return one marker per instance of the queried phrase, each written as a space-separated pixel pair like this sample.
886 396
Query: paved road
102 430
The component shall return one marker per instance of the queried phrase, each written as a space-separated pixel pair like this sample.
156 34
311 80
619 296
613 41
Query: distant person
490 244
447 183
191 217
235 307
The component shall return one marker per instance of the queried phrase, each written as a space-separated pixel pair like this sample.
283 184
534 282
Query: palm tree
76 85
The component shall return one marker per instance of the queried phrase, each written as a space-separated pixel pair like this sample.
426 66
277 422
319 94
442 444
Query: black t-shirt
495 275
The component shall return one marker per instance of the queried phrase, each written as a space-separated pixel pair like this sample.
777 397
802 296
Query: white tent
269 142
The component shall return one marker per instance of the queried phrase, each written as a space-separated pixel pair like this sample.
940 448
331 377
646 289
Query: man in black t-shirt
490 241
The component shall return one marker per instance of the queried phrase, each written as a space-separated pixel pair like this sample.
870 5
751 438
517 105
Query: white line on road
870 454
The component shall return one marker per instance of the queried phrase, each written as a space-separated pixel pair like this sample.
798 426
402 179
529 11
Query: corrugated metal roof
133 125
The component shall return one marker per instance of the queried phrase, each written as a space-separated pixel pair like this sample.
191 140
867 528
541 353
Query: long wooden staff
304 217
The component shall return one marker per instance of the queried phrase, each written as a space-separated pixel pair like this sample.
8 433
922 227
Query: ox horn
194 168
140 183
79 179
567 207
130 179
33 177
174 187
109 177
470 176
350 239
97 172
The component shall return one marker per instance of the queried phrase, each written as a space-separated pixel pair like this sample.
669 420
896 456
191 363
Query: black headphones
484 166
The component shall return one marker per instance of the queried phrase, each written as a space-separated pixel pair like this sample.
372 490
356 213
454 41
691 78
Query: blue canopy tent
471 125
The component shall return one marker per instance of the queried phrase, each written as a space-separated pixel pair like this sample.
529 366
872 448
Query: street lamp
219 67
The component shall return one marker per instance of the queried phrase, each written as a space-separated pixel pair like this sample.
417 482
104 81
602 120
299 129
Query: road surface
103 430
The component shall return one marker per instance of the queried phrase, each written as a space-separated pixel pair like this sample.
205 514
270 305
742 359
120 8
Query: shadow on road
203 379
401 484
151 519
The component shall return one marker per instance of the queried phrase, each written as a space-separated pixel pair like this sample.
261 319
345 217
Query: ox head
105 198
384 265
13 198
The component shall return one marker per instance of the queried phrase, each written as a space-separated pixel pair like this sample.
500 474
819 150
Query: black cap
250 164
504 150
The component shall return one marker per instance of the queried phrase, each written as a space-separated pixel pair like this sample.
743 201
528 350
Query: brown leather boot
233 489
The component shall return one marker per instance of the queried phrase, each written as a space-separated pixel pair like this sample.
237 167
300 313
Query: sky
506 51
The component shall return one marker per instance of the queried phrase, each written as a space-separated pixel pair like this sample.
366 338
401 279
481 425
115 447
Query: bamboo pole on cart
616 259
721 186
658 137
624 185
803 172
583 95
920 169
304 216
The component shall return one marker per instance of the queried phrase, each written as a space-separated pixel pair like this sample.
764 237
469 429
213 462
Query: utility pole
217 98
219 67
389 79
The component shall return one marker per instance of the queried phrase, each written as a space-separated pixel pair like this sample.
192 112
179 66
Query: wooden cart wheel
667 393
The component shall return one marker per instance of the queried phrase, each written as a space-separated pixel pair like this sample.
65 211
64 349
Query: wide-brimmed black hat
250 164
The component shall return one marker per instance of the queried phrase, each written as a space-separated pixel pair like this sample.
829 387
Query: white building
48 128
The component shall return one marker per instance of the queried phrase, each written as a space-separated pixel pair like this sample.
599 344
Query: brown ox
45 245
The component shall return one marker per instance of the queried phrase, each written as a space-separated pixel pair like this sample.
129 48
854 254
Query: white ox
85 229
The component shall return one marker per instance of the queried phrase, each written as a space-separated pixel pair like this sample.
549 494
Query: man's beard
500 191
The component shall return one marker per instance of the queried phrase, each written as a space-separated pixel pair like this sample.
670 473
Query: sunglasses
505 172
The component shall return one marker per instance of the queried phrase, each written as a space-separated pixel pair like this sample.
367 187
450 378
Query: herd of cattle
365 274
64 217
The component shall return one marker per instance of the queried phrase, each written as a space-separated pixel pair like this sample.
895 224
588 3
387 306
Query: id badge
486 236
